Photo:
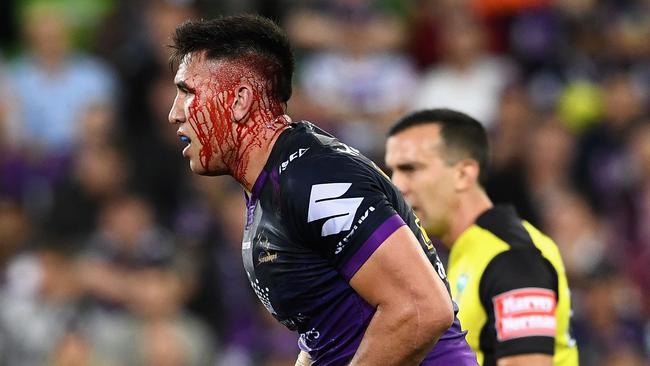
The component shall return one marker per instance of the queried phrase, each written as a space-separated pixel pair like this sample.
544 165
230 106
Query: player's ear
242 102
467 173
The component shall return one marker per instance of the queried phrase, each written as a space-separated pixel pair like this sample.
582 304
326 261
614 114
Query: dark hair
460 133
240 37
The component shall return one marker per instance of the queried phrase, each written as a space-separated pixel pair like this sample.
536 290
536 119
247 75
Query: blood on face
211 114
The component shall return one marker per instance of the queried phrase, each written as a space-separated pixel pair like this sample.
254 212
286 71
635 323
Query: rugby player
330 247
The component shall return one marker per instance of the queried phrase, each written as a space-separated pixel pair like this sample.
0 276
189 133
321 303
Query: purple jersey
317 212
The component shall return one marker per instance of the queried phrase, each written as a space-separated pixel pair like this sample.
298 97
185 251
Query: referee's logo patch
525 312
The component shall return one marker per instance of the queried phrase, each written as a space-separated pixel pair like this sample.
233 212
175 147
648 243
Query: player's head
436 156
233 73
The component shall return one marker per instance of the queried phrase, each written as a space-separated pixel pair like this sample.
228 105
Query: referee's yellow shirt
510 285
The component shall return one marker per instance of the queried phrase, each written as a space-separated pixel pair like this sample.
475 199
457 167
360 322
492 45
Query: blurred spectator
609 321
506 182
142 61
630 219
576 230
37 307
423 32
74 350
166 334
14 165
97 127
360 83
548 154
600 169
327 25
469 79
14 227
127 238
137 281
624 357
99 174
53 83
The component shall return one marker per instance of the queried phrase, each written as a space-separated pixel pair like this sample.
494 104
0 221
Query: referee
505 275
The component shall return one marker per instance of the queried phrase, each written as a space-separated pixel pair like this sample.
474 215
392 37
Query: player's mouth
187 140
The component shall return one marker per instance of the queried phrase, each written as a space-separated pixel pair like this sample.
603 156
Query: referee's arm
514 274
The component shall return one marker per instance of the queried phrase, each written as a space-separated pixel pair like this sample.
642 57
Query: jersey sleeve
338 207
519 292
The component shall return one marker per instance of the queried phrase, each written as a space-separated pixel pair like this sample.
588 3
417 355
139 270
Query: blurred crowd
113 253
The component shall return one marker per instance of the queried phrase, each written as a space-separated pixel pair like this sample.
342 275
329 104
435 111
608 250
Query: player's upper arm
519 292
399 274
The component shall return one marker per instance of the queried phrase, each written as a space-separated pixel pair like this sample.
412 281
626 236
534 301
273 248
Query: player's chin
199 169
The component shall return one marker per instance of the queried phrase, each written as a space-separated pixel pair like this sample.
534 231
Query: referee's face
422 175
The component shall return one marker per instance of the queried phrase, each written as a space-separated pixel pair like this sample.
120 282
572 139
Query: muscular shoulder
332 197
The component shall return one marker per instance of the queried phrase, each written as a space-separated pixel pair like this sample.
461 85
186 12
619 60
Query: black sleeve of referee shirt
519 293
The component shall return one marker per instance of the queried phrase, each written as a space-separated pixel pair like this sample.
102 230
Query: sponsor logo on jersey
265 257
525 312
324 202
295 155
341 244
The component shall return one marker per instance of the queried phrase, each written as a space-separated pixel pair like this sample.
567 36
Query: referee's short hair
463 136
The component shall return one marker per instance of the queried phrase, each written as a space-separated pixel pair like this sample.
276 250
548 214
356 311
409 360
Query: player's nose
176 113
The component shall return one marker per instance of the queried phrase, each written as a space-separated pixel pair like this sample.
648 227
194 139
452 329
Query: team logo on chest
262 241
266 255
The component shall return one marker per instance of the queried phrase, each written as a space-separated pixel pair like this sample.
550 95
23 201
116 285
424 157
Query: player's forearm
399 336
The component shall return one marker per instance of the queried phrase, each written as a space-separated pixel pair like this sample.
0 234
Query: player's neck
470 206
256 149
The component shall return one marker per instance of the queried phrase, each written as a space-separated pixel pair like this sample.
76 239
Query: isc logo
292 157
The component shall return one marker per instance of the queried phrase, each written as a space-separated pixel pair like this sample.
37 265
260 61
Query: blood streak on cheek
203 127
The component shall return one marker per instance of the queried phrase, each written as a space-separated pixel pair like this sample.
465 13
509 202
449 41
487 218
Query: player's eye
183 88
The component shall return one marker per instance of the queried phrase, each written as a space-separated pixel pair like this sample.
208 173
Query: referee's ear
467 174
